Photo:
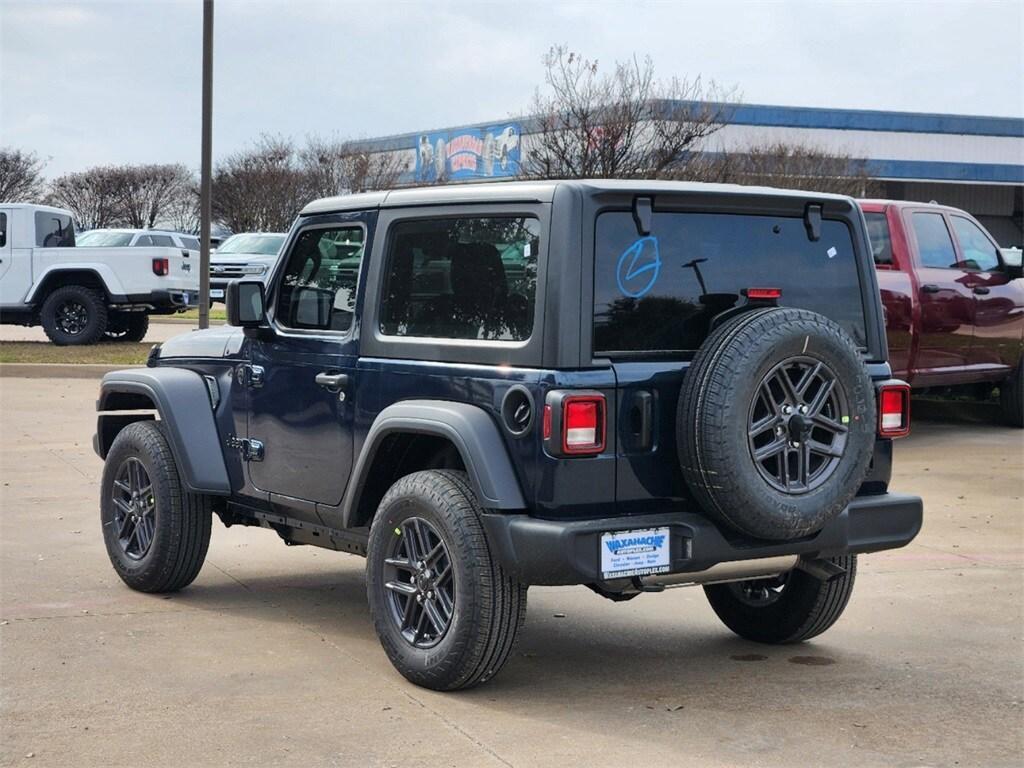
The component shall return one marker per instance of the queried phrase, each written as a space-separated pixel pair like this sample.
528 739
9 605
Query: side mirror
245 303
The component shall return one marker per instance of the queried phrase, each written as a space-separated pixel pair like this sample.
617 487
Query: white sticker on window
832 252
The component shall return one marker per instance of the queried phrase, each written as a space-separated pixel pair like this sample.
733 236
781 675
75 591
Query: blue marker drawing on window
638 267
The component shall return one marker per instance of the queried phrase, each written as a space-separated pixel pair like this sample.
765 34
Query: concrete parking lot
270 658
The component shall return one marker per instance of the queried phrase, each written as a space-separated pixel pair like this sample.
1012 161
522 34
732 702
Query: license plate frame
636 552
216 293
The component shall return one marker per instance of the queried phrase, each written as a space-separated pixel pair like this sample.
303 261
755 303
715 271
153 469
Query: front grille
235 270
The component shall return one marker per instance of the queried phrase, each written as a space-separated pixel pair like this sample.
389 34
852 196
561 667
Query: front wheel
156 531
1011 397
789 608
446 613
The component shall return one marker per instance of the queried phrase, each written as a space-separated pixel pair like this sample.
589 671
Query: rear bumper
163 301
555 552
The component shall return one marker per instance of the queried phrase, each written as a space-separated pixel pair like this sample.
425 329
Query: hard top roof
536 192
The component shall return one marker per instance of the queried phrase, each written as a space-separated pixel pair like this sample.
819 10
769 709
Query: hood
221 341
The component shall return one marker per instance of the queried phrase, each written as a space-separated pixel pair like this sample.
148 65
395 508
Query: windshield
267 245
108 239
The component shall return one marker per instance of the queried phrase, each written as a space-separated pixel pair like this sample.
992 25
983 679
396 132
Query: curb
58 370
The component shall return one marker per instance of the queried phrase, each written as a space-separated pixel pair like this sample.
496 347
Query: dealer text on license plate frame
635 553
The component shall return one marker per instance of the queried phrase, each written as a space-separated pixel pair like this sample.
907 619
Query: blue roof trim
873 120
926 170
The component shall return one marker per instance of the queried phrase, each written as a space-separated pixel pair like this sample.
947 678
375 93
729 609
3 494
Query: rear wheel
156 532
128 326
74 314
1011 397
789 608
446 613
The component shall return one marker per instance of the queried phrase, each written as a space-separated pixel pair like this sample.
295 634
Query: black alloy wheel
420 583
72 317
797 426
135 508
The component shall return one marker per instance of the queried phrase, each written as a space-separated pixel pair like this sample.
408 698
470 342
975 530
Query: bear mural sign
476 153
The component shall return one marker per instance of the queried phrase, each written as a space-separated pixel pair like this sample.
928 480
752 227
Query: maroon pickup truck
954 309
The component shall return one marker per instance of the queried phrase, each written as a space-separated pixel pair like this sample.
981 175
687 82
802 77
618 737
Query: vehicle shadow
664 643
956 412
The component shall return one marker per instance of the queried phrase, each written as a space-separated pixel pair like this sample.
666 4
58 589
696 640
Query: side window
3 229
933 241
318 288
54 230
878 233
192 243
163 241
978 251
462 278
143 241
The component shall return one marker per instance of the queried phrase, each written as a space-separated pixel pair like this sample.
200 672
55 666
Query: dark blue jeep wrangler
627 385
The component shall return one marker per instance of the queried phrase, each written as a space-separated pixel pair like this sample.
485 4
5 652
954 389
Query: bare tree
262 188
625 124
336 167
146 193
789 166
182 213
91 195
21 176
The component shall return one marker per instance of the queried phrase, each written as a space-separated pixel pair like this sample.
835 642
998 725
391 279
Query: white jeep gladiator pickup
82 295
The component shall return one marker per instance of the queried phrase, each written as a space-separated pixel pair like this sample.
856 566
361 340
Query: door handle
981 290
930 288
332 382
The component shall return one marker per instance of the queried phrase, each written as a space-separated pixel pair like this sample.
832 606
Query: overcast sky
108 82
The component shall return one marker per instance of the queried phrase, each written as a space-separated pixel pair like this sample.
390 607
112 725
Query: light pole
205 167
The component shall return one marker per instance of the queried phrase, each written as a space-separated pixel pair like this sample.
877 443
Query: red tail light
575 423
894 410
763 293
161 267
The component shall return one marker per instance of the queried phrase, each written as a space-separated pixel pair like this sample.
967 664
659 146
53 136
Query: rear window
99 238
466 278
54 230
658 294
881 242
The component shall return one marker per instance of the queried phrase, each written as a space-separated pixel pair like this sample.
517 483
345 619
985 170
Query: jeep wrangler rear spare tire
74 314
776 423
446 613
155 530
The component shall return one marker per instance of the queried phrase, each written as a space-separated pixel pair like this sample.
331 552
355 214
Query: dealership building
968 161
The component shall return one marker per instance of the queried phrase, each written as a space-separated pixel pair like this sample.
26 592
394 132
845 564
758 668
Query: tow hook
824 570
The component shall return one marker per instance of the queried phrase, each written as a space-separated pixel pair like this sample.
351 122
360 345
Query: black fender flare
471 430
183 402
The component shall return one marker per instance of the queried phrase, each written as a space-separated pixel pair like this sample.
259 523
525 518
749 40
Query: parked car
532 383
954 306
248 254
137 238
82 295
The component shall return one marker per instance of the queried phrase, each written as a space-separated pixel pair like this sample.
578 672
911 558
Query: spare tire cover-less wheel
776 423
